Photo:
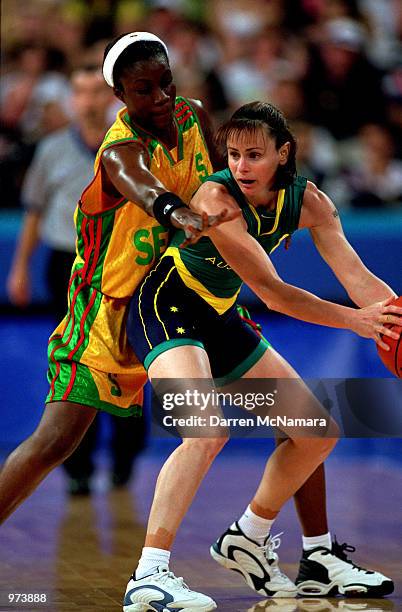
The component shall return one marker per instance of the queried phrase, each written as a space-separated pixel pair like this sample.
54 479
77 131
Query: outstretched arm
320 215
127 174
245 255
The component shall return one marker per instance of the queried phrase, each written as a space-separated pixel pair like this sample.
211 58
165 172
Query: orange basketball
392 359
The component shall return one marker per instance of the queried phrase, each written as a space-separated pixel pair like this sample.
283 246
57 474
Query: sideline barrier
376 236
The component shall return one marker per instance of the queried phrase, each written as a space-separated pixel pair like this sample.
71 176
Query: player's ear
284 153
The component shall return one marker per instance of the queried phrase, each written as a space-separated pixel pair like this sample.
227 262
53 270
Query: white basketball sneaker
163 592
328 572
257 564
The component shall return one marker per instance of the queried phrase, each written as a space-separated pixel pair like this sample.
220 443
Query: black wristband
164 205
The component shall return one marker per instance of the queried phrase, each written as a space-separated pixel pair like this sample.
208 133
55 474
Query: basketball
392 359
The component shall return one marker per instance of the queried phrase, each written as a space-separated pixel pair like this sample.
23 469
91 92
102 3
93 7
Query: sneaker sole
233 565
313 588
144 607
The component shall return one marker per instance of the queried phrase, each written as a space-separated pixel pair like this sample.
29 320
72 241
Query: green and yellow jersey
90 359
118 242
201 266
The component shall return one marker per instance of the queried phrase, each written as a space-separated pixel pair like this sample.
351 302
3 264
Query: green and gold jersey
202 268
117 241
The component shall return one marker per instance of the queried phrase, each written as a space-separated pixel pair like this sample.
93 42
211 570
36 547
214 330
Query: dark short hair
252 117
139 51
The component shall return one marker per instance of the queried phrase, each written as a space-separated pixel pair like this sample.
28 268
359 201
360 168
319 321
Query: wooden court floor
80 552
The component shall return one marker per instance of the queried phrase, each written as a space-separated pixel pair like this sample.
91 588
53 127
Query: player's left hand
195 226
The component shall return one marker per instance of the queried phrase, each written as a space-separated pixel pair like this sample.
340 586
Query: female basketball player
183 321
154 156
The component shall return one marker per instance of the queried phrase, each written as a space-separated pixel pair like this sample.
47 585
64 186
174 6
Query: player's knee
208 448
53 449
319 448
326 446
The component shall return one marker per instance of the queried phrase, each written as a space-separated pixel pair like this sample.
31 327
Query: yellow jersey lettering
159 235
143 246
201 167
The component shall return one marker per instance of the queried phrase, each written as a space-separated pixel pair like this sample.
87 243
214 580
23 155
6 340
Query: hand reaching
195 226
372 321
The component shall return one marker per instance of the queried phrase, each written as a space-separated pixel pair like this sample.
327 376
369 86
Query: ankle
310 542
151 559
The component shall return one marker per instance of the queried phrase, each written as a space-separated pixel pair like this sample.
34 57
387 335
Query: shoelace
339 550
269 553
177 580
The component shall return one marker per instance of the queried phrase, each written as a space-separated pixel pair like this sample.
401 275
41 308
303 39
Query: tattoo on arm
335 213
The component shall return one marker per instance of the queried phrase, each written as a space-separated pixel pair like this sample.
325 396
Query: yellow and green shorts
90 359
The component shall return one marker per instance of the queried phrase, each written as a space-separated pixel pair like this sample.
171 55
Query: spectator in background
374 177
61 169
33 92
317 157
343 89
163 18
288 96
68 24
385 18
189 61
393 95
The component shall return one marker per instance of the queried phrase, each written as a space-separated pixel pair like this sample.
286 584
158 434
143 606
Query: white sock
151 559
255 527
322 540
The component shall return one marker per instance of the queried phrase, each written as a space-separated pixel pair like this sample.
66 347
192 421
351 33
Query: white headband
118 48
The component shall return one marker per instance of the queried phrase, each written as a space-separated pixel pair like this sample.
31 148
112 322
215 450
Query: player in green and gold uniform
90 360
89 347
152 159
183 320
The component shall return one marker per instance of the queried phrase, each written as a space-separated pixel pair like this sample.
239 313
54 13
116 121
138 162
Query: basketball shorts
90 359
165 313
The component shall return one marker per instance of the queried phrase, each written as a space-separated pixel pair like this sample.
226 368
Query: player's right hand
195 226
373 321
19 287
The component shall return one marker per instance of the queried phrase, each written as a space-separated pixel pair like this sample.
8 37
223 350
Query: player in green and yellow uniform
118 242
152 159
92 337
183 319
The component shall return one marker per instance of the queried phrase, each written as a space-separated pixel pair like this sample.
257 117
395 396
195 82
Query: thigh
271 365
163 314
233 346
66 422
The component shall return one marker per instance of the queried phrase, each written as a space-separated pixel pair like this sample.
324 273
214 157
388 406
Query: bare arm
320 215
248 259
18 282
127 174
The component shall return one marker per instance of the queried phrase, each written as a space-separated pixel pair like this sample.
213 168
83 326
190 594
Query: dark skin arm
127 174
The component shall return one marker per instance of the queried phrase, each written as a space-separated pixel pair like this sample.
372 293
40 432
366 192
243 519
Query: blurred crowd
334 67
